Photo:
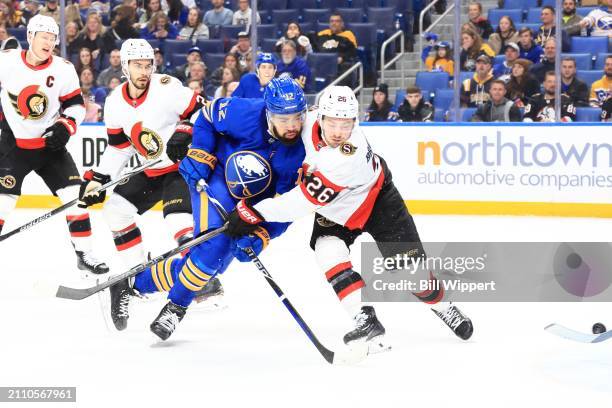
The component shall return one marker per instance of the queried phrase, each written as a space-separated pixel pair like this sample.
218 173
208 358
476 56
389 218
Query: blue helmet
265 58
284 96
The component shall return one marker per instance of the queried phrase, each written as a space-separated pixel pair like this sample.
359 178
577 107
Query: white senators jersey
144 125
33 97
339 183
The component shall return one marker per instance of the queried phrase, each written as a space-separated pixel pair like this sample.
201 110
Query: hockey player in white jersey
149 115
599 20
43 106
351 190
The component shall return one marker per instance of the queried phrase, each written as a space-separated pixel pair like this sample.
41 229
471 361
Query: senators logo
147 142
347 149
164 80
31 103
8 182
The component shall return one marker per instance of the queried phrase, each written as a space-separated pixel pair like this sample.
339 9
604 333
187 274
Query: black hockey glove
57 135
243 220
177 146
91 181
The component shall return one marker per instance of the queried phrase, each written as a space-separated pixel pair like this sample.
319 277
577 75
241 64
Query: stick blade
573 335
64 292
351 354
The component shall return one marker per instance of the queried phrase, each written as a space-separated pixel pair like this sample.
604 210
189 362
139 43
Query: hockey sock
181 227
191 279
434 294
119 214
77 218
7 203
160 277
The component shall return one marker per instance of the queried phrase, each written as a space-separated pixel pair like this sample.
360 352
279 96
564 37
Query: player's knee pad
119 214
180 226
333 257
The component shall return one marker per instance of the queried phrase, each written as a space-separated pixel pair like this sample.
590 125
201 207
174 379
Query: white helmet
135 49
42 24
338 102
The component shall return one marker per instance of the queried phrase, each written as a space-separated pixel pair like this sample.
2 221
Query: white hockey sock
119 214
180 225
79 224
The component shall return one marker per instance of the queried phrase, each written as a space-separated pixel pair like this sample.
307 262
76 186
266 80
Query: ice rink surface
253 354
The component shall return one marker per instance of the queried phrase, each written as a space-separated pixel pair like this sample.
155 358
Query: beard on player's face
288 137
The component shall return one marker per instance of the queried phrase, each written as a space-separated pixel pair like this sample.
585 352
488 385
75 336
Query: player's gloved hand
57 135
243 220
197 166
257 241
91 181
178 145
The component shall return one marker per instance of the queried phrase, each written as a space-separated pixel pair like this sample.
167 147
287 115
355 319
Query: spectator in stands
231 88
548 30
442 60
570 19
294 33
151 7
85 61
230 61
540 69
195 85
475 90
72 32
176 11
599 21
218 16
293 66
13 17
123 24
194 29
229 75
482 24
252 84
522 84
182 71
577 90
242 16
339 40
161 67
541 107
197 71
606 110
73 14
472 46
529 49
159 28
93 111
504 34
30 9
51 9
498 108
503 69
414 108
7 42
114 82
92 37
601 89
113 70
87 82
380 109
243 52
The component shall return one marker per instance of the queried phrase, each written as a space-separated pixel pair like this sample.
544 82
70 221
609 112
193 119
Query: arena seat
351 15
316 15
589 76
432 81
601 60
583 61
208 46
496 14
593 45
533 15
588 114
283 17
177 46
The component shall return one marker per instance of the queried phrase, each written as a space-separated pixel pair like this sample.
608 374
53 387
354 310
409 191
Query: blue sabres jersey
228 126
249 87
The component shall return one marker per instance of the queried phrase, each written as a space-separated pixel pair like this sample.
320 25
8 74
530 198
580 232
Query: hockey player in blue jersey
252 85
243 149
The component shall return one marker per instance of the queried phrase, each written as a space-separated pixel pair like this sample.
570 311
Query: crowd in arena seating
516 47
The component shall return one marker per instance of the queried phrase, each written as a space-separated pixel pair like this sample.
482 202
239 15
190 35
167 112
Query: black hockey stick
79 294
349 355
61 208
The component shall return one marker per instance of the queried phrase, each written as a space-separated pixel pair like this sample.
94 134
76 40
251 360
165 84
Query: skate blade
210 304
377 345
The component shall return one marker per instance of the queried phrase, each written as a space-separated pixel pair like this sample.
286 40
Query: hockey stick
79 294
61 208
574 335
349 355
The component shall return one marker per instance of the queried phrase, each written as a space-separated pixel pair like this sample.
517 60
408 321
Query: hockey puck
599 328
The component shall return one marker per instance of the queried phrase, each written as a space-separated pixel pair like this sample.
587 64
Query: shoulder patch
347 149
164 80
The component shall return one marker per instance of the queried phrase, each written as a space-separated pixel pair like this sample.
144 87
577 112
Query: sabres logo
8 182
31 103
347 149
147 142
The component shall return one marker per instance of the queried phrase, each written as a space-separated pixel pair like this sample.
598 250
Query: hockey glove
197 166
57 135
91 181
178 145
243 220
257 241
